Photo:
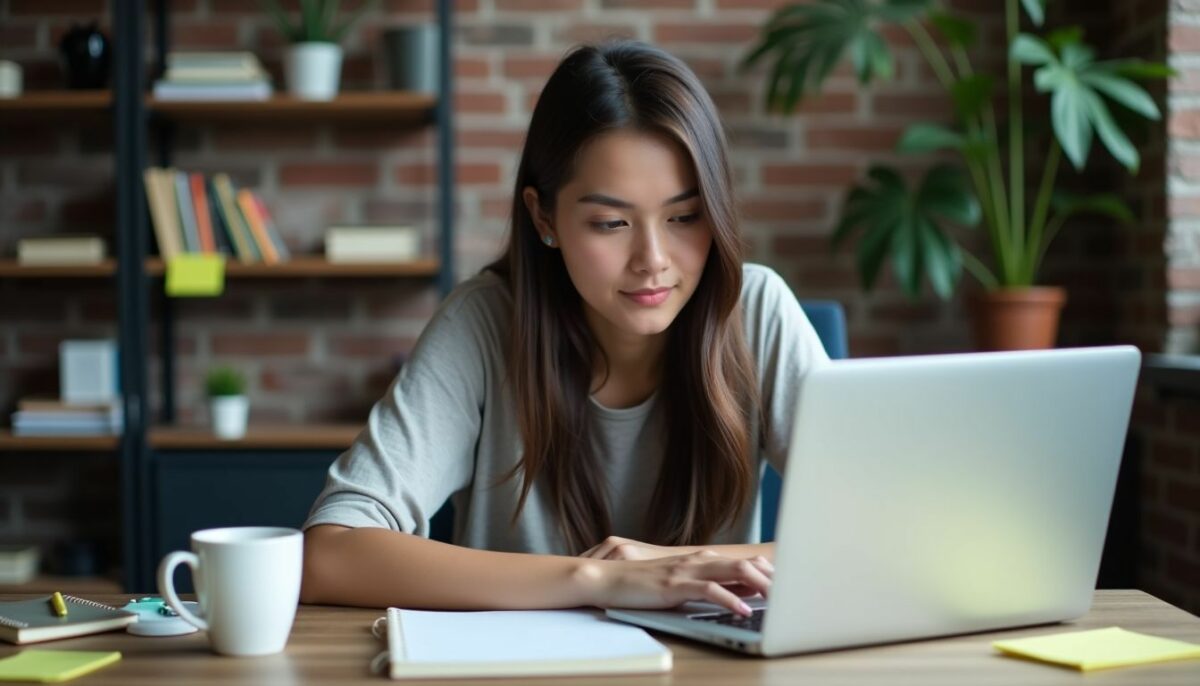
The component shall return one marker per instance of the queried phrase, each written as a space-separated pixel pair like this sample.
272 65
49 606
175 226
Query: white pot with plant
312 63
228 402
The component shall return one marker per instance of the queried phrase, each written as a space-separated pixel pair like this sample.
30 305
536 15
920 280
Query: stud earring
548 240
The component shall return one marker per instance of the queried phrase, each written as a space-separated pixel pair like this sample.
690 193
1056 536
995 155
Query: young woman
597 403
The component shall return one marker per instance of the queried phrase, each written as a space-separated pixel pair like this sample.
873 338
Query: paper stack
213 76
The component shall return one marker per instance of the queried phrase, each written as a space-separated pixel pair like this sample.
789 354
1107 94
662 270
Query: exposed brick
1165 527
506 139
648 4
205 36
1172 455
328 174
467 174
925 105
809 174
480 103
529 67
305 380
1186 418
1183 279
80 8
589 32
1185 496
801 246
857 138
783 209
1183 570
261 344
17 37
1184 124
1183 38
673 33
367 345
538 5
495 34
471 68
242 137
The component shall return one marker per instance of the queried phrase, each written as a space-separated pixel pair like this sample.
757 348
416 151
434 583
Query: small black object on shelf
86 56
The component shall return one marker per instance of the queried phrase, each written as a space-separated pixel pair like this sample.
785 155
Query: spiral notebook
32 621
432 645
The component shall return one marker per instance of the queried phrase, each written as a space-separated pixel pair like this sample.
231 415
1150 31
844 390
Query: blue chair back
829 319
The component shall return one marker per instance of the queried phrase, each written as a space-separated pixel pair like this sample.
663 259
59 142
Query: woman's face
632 232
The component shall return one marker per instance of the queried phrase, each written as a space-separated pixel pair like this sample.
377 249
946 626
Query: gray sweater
447 429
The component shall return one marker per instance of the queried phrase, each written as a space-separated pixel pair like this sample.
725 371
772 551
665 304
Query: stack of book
53 417
60 250
213 76
345 244
192 213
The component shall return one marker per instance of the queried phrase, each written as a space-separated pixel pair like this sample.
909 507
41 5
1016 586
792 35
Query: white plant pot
313 70
229 415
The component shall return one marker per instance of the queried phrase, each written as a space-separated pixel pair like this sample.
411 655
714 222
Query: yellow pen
59 605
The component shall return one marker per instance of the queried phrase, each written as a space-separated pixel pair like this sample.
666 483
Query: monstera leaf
806 42
908 226
1078 86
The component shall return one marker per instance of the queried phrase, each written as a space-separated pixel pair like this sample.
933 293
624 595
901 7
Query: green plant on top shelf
225 381
317 22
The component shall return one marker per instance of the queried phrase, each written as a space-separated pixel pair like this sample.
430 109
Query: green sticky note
195 275
1099 649
53 666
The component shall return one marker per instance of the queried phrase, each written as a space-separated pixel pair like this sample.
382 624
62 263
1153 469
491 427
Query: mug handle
166 585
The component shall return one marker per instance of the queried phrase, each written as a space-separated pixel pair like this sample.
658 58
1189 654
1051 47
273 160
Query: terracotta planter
1017 318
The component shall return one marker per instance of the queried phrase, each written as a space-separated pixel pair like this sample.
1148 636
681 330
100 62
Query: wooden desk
331 645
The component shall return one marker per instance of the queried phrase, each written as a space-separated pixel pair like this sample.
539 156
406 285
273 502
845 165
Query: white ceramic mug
248 583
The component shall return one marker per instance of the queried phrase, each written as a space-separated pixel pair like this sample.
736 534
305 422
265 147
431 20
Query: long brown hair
711 385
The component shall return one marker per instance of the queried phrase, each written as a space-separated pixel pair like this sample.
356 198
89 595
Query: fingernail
745 609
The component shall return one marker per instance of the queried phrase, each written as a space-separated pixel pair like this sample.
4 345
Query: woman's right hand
669 581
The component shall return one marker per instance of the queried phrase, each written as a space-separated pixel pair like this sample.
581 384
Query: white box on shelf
18 563
87 371
372 244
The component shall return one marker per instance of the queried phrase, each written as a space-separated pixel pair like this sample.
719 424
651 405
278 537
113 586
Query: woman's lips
649 298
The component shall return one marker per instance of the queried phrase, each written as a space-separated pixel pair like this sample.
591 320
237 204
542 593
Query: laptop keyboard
751 623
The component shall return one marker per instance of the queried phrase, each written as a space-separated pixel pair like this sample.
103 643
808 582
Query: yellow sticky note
1099 649
195 275
53 666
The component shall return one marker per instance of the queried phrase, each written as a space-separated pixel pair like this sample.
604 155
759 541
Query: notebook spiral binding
89 603
13 623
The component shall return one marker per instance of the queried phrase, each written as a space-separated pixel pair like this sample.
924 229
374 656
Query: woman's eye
608 226
686 218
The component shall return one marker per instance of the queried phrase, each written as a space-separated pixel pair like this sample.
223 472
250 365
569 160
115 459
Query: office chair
829 319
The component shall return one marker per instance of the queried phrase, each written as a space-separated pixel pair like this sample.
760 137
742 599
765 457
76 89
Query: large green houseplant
917 226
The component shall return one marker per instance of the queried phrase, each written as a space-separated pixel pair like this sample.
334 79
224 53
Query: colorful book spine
272 228
220 230
187 215
266 247
243 244
204 227
163 214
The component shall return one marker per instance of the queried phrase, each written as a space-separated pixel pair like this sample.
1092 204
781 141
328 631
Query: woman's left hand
617 548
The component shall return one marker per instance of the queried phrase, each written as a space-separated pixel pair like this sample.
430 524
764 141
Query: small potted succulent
227 399
312 64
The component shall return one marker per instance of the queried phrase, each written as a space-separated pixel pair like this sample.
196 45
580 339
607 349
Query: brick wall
1166 428
325 349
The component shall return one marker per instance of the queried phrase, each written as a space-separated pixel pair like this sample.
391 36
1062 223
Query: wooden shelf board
317 266
282 436
38 106
73 585
12 269
396 107
11 443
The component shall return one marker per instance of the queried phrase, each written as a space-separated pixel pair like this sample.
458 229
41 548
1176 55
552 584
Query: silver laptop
936 495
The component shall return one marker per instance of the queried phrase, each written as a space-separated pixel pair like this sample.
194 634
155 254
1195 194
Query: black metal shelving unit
142 532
